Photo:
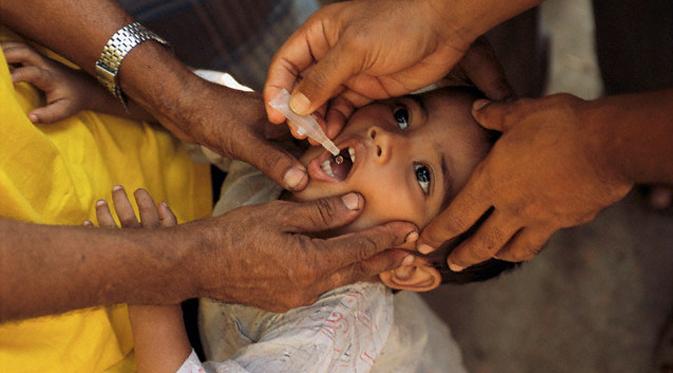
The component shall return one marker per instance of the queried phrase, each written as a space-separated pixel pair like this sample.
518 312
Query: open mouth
331 168
338 167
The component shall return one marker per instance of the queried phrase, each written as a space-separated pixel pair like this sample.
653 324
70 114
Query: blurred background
597 298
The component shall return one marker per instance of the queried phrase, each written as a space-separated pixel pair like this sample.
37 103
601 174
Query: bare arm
67 91
50 269
225 120
160 339
635 134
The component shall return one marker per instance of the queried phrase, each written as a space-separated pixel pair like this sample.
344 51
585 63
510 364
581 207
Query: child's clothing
355 328
53 174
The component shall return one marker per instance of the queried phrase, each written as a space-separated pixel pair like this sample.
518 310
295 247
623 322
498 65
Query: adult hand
546 172
261 255
233 124
367 50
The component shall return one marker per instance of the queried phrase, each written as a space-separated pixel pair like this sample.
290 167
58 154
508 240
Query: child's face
409 153
410 156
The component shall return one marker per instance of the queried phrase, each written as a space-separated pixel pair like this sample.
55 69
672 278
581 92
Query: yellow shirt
53 174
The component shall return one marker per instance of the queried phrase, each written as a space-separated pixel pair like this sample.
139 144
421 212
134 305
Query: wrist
200 242
160 84
461 22
635 134
602 142
187 243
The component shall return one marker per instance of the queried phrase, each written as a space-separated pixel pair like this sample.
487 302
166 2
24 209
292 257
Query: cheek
318 189
388 197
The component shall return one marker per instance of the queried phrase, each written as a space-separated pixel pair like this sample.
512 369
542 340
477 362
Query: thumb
498 116
324 79
277 164
323 214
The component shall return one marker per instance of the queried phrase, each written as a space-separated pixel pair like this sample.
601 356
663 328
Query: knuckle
525 252
326 211
450 224
481 249
362 270
357 39
366 246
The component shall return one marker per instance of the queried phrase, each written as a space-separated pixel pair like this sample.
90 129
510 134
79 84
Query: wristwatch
114 52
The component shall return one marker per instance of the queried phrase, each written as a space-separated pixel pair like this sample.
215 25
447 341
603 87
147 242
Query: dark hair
478 272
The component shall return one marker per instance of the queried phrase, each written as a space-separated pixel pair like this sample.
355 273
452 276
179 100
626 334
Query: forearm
50 269
150 74
633 135
103 102
159 336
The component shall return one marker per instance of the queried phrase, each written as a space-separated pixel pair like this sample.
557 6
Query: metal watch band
114 52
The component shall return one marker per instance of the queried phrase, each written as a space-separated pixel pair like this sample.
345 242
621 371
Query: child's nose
382 141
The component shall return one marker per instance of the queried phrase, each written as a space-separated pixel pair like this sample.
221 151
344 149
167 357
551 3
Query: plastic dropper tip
331 148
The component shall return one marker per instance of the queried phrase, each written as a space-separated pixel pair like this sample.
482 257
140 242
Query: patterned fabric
236 36
409 337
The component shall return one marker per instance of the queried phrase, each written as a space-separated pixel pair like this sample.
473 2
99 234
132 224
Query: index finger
340 252
468 206
291 59
365 270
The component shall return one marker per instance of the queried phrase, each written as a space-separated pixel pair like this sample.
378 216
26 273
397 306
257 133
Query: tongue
341 169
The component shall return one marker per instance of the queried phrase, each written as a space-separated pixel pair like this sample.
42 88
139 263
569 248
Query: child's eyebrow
418 99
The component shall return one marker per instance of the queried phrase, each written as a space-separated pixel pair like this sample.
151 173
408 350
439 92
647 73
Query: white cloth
356 328
394 332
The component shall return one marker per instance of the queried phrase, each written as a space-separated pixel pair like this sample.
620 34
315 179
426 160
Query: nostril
372 134
378 150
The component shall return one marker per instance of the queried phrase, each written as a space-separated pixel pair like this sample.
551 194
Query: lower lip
315 172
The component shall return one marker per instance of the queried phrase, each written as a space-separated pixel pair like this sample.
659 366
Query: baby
408 157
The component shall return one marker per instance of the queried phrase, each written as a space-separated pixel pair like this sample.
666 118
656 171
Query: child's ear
418 277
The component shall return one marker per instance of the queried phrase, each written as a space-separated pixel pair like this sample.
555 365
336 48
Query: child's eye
423 176
401 115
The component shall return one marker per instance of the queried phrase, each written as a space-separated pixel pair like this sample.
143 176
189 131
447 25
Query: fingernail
117 188
163 203
352 201
425 249
294 177
455 267
300 104
479 104
100 202
87 223
409 260
411 237
33 118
